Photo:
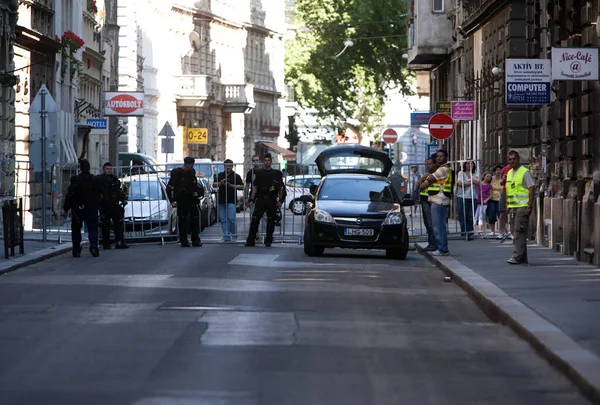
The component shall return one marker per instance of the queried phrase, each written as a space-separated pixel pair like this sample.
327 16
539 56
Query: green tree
348 84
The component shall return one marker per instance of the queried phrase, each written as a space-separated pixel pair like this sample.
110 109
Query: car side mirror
406 201
313 189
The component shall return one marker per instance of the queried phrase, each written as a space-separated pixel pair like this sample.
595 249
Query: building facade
556 141
212 69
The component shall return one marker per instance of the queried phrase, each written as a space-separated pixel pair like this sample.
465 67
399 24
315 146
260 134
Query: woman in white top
466 198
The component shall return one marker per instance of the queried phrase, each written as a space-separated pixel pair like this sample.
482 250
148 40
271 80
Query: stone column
8 22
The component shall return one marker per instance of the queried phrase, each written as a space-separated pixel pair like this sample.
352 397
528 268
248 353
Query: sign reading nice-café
574 63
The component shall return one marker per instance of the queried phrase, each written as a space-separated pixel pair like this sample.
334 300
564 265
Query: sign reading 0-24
197 136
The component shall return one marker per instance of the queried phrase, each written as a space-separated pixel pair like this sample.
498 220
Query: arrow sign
390 136
441 126
166 130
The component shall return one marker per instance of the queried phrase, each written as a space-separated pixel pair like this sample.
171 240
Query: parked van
134 163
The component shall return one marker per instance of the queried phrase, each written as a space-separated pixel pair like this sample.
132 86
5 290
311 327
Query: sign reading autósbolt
527 81
123 104
574 63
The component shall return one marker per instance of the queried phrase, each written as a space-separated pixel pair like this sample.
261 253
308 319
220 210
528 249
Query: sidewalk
35 251
553 303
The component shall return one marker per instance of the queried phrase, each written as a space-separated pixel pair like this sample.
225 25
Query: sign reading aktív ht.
527 81
123 104
574 63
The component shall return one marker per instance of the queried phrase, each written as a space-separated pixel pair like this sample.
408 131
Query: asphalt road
225 324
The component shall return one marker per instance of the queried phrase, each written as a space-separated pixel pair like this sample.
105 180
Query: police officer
185 194
267 197
111 207
83 199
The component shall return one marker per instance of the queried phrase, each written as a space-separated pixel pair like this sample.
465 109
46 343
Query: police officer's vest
517 196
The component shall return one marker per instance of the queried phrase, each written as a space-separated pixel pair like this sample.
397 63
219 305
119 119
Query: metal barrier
12 225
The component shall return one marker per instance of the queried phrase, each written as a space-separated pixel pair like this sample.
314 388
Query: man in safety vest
439 197
520 192
431 166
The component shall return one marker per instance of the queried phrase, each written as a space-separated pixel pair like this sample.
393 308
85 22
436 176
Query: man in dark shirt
267 197
185 193
250 175
111 208
83 199
228 182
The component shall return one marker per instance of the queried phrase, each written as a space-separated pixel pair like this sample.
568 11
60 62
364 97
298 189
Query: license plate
134 234
358 232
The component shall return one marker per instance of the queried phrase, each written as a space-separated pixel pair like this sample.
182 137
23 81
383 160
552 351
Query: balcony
194 91
239 98
429 35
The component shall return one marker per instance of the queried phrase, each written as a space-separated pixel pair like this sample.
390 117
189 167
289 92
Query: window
357 190
438 6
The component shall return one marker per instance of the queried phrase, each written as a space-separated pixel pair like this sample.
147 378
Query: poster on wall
574 63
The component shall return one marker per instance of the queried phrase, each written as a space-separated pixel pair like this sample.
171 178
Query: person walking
413 179
267 195
493 210
185 194
112 203
83 200
228 182
484 195
441 179
520 194
430 166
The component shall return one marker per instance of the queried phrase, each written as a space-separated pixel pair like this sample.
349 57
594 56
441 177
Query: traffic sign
441 126
166 130
35 116
390 136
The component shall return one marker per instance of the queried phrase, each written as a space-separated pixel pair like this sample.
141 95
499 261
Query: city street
225 324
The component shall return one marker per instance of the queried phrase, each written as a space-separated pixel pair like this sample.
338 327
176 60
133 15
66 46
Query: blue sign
97 123
528 81
420 118
432 148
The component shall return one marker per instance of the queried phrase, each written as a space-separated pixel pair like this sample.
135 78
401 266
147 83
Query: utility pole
43 115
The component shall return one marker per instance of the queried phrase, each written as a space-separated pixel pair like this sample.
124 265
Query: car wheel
298 207
310 249
401 251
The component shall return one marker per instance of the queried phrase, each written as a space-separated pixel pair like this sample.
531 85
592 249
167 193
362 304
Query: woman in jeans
466 198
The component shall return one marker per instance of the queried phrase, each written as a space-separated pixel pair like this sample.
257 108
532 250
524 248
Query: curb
579 365
31 258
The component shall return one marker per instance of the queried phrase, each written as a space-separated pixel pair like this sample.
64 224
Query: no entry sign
441 126
390 136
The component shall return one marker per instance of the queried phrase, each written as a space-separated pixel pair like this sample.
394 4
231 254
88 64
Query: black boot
94 251
121 245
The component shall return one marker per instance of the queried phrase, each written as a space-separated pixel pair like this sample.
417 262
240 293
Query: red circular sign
441 126
390 136
124 103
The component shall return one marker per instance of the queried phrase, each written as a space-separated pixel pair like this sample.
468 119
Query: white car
148 211
296 187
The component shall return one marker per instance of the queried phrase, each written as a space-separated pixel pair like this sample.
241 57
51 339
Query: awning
287 154
34 41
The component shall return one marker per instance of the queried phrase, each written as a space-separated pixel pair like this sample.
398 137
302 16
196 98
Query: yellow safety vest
445 185
517 196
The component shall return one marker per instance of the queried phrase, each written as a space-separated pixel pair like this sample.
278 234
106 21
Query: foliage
92 7
71 43
351 86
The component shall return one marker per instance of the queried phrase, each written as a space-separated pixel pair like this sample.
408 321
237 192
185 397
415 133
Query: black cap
189 161
106 164
84 165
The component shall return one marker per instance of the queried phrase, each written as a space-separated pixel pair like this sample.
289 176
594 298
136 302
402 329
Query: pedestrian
466 199
228 182
186 192
413 188
112 203
249 182
503 217
484 194
267 196
430 166
83 200
493 209
442 180
520 192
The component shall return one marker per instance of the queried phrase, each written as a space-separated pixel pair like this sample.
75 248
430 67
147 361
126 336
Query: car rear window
357 190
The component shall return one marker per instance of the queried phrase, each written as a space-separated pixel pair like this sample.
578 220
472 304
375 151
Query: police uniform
83 200
187 192
268 184
112 210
